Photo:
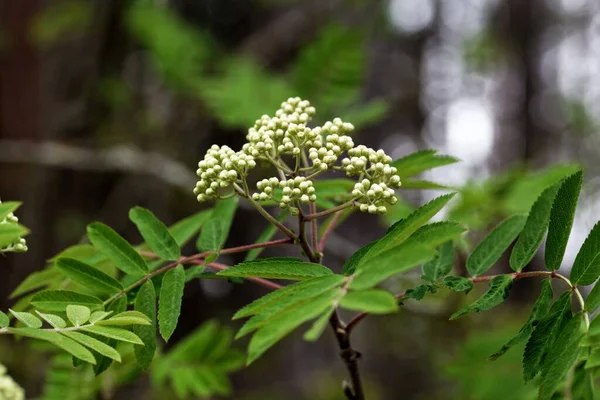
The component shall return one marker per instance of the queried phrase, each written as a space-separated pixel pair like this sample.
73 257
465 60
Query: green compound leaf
113 333
437 233
540 310
420 161
440 266
10 233
88 276
94 344
592 302
58 300
65 343
155 233
373 301
116 307
458 283
117 249
126 318
490 249
418 293
496 294
36 280
544 335
389 263
169 306
533 232
98 316
54 320
7 207
78 315
282 324
586 267
265 236
216 229
353 261
145 302
561 220
4 321
28 319
561 357
277 268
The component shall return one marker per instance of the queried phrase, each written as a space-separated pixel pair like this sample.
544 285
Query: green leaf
593 360
28 319
145 302
561 357
319 326
58 300
10 233
419 292
183 230
78 315
422 185
94 344
544 335
415 163
333 191
437 233
155 233
65 343
490 249
533 232
126 318
586 267
54 320
373 301
265 236
592 302
88 276
353 261
116 307
277 268
277 298
285 322
113 333
561 220
458 283
216 229
540 309
120 252
36 280
7 207
389 263
496 294
98 316
403 229
441 265
4 321
169 306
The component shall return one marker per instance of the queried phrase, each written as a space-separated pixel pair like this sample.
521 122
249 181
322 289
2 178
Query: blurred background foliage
108 104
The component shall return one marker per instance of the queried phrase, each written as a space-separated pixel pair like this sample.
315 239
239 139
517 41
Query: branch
329 211
328 231
263 282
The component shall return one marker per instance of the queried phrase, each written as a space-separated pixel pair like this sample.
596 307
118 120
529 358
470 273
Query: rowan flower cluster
9 389
20 246
309 151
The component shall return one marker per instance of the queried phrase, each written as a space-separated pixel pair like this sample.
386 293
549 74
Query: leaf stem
329 211
328 231
263 282
312 207
359 317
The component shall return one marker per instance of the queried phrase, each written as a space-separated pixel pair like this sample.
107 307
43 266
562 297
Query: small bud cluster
325 154
220 168
9 389
297 189
20 246
266 187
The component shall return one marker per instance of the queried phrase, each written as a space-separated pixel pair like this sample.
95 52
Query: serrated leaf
491 248
441 265
418 293
65 343
389 263
277 268
561 220
28 319
117 249
353 261
533 232
420 161
586 267
496 294
216 229
7 207
155 233
437 233
99 316
88 276
277 298
561 357
266 235
458 283
78 315
10 233
319 326
126 318
283 300
592 302
403 229
169 305
58 300
284 323
373 301
422 185
4 321
94 344
183 230
36 280
539 311
115 307
544 335
113 333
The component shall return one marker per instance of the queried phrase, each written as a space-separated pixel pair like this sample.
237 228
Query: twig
359 317
329 211
263 282
328 231
312 207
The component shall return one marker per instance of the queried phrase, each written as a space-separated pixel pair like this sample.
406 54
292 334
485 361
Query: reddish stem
359 317
263 282
328 231
312 207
